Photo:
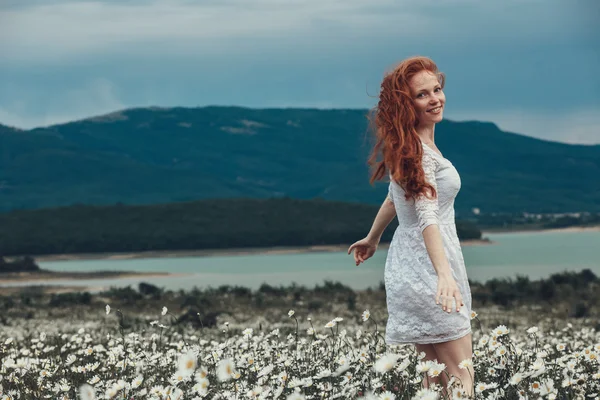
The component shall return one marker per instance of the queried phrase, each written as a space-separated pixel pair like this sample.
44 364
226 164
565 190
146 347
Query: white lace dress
410 278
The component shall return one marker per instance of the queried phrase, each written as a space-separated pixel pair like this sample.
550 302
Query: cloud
51 32
575 127
70 59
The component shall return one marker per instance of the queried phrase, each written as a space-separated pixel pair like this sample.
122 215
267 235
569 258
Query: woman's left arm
428 220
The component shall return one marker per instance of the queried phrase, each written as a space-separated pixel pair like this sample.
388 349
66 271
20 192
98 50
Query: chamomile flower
187 363
366 315
86 392
466 363
436 369
385 363
533 330
225 370
387 395
501 330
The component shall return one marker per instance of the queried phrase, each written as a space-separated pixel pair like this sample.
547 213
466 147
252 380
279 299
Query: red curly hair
393 122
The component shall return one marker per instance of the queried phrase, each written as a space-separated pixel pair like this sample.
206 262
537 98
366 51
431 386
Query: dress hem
429 341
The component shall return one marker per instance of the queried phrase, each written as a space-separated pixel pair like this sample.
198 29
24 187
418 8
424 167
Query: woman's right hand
363 249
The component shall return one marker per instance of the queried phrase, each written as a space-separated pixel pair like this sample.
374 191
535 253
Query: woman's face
428 97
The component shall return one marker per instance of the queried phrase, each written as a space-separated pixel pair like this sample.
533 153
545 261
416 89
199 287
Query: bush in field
21 264
69 299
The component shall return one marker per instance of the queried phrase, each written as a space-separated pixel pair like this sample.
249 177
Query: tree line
202 224
571 294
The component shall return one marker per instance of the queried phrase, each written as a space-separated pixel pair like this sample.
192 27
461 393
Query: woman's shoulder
430 158
429 161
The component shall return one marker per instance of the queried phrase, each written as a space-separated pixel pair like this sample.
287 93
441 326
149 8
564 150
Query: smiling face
428 97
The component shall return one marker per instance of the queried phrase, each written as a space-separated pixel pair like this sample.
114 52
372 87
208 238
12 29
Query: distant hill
159 155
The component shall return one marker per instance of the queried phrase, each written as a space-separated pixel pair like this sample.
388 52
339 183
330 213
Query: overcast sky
530 66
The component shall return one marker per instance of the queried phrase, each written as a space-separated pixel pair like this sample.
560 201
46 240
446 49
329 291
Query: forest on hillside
203 224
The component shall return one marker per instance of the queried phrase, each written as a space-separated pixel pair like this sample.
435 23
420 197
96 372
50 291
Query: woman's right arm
386 214
365 248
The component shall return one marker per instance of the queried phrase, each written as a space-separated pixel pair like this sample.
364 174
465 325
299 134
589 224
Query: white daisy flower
532 330
365 315
225 370
387 396
501 330
187 363
464 364
86 392
386 363
137 381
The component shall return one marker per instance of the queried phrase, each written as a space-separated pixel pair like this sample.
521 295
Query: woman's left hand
447 289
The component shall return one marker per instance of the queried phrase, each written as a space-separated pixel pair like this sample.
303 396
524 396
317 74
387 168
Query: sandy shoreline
44 276
196 253
552 230
218 252
269 250
46 289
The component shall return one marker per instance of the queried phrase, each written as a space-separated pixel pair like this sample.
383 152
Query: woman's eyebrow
420 90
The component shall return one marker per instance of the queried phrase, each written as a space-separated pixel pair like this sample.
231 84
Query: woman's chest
448 181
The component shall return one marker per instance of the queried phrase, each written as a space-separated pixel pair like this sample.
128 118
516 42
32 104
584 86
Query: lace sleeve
427 208
390 194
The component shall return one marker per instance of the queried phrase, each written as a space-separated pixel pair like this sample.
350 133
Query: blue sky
530 66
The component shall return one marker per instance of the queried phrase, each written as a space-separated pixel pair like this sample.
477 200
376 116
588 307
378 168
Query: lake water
535 254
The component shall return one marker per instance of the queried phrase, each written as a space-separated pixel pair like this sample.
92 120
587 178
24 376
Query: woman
427 290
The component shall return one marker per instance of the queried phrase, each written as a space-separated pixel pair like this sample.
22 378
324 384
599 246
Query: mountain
157 155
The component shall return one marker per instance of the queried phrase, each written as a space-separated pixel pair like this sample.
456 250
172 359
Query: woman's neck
427 133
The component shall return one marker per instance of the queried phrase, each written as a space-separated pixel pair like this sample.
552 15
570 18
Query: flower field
298 357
